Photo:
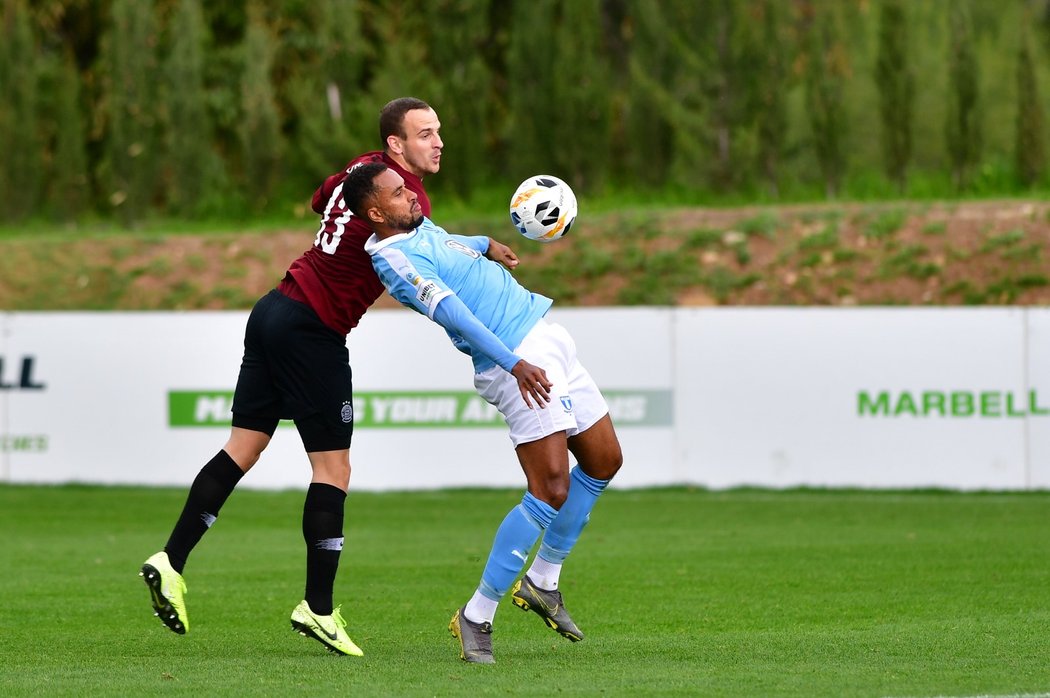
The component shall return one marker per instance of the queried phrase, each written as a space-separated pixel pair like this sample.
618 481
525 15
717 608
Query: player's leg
323 513
539 438
315 616
209 491
545 462
256 412
313 372
599 457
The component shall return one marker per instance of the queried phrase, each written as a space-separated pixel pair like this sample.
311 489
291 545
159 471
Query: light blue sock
567 526
514 539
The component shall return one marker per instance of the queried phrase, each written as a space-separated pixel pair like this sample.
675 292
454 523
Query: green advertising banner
422 409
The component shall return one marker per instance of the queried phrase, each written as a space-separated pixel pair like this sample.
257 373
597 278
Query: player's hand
498 252
532 382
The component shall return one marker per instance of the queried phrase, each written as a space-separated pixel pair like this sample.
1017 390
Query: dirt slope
897 254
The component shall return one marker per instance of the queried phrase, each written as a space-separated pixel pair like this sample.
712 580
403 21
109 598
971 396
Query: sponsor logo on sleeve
426 291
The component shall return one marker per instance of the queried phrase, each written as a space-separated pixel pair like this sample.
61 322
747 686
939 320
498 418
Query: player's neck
384 232
402 163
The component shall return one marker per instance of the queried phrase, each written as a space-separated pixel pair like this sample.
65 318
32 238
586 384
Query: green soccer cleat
330 631
547 605
166 589
475 639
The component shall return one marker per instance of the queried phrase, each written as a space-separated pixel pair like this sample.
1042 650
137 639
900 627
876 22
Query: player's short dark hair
392 117
360 186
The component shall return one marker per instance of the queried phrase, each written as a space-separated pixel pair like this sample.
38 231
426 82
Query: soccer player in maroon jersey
296 366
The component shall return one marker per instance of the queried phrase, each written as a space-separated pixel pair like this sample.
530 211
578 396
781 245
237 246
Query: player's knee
606 464
553 491
338 476
245 455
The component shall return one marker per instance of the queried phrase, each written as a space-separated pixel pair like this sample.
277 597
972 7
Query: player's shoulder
364 158
430 226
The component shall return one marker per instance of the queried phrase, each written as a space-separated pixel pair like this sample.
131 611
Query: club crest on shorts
566 402
347 413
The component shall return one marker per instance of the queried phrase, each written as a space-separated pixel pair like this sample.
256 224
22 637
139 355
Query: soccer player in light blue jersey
524 366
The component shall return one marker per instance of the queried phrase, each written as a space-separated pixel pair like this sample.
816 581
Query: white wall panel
771 396
1038 370
720 397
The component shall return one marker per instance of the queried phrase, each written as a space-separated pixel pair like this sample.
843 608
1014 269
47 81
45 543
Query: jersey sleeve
324 192
461 325
412 281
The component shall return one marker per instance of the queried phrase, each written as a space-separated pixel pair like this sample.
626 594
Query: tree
531 76
896 85
464 40
725 90
770 84
131 106
578 134
193 167
962 130
647 147
20 164
68 191
558 118
826 70
668 78
260 129
1031 145
318 76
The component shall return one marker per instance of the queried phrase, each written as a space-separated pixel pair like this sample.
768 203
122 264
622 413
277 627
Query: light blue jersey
424 267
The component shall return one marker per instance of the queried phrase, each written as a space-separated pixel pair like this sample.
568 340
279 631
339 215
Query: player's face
398 204
422 144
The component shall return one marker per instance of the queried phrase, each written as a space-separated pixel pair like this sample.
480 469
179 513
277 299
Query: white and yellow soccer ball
543 208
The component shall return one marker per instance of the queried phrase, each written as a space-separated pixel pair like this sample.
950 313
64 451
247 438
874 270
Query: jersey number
329 241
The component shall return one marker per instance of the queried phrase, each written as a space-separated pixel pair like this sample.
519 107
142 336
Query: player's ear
375 215
393 144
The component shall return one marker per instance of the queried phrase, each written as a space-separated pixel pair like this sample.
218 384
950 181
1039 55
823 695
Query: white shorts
576 403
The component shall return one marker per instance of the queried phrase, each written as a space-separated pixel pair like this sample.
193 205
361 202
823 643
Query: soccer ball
543 208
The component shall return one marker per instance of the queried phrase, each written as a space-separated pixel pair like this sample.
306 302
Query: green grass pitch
680 592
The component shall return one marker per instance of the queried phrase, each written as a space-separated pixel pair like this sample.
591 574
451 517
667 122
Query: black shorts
295 367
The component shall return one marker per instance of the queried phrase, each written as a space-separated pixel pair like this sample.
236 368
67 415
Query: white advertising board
870 397
1037 375
144 398
717 397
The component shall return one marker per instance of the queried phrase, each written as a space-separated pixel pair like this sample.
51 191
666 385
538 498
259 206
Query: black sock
323 532
208 493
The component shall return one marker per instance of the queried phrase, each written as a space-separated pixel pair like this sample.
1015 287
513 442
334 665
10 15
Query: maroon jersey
335 276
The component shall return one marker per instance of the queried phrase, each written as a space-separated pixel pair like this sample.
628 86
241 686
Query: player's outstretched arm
452 314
